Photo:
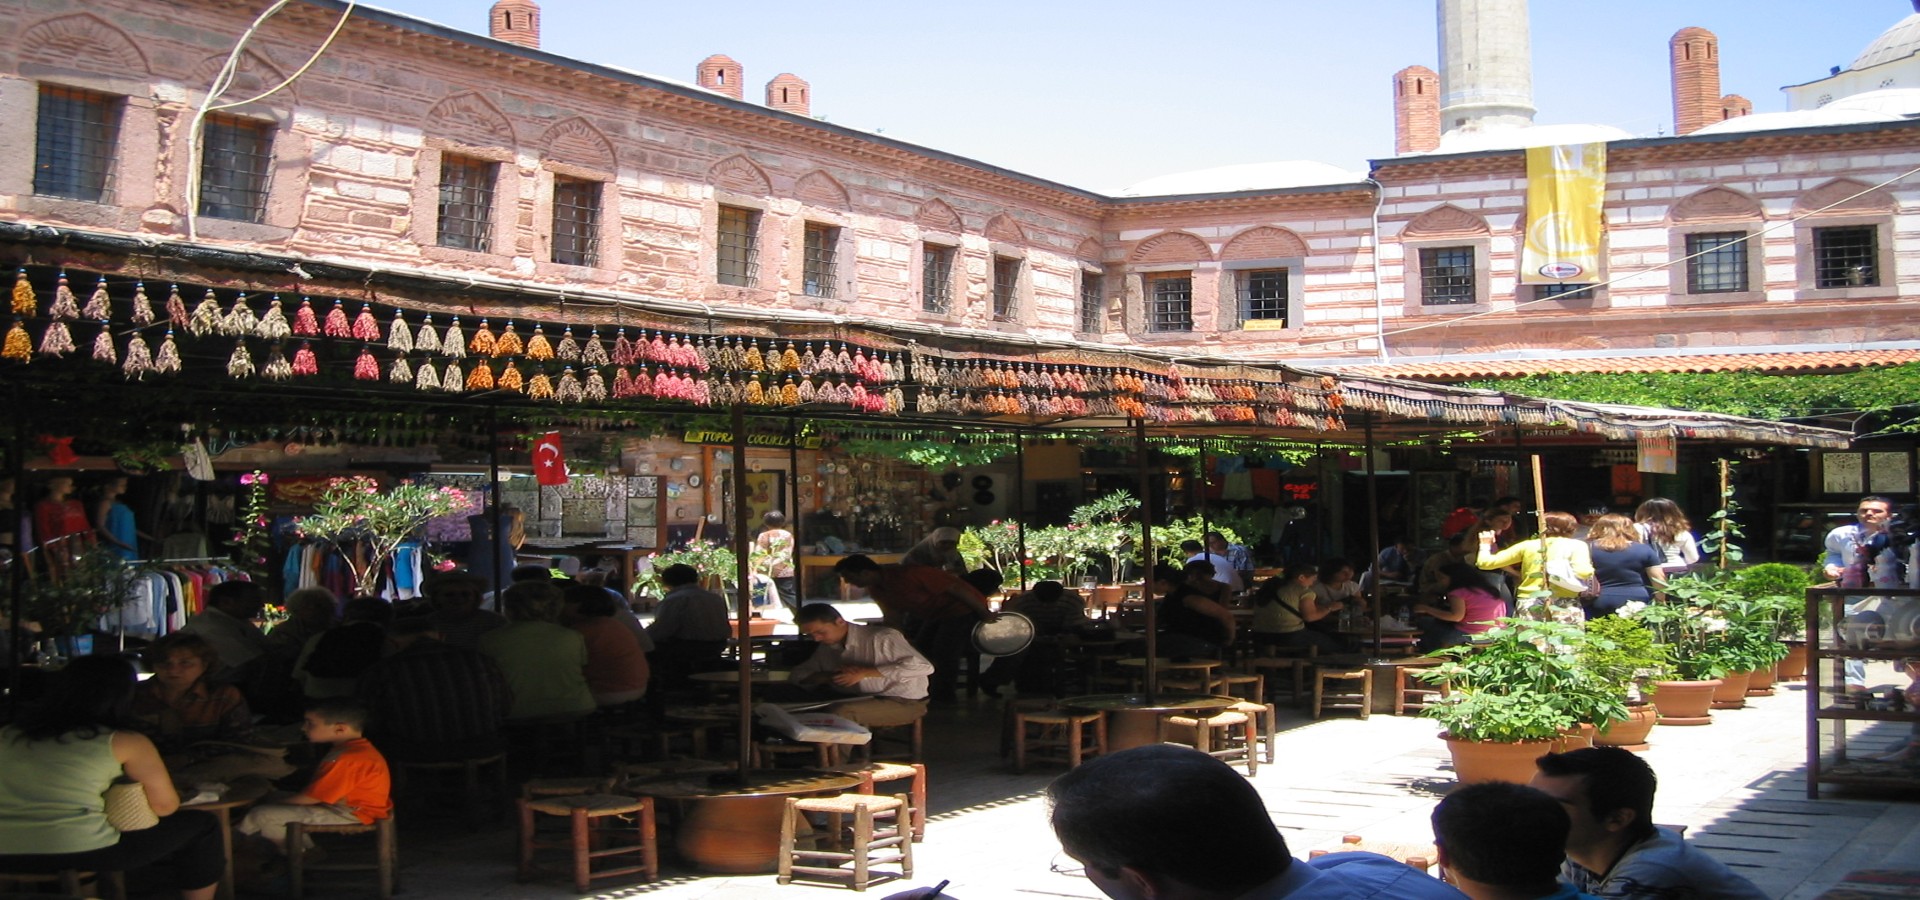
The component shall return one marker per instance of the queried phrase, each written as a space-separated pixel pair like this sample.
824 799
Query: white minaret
1486 65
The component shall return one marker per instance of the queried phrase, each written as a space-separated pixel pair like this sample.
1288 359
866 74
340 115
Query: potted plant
93 585
1781 590
1693 636
1622 653
1514 696
367 524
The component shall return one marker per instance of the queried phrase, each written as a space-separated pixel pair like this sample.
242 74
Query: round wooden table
242 793
1133 720
731 826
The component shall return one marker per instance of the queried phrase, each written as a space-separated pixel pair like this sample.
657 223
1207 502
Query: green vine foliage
928 454
1889 392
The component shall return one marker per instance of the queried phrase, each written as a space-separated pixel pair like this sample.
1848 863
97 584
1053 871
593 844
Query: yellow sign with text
1566 186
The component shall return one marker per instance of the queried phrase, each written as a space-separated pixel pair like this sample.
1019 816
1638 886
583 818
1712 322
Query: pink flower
445 565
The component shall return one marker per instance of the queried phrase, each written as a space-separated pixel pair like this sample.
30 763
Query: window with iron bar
1170 302
1718 262
1446 276
736 254
1846 256
1563 292
936 278
1263 295
236 156
817 267
74 141
1092 301
576 221
1006 288
466 203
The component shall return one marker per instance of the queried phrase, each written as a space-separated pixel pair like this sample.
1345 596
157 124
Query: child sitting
350 787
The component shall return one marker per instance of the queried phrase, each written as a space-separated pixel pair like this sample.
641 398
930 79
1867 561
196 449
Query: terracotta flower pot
1732 692
1685 702
1760 683
1478 761
1574 738
1794 667
1631 734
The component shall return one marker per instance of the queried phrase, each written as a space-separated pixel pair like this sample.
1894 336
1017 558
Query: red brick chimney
1696 79
787 92
1416 110
721 74
516 22
1733 106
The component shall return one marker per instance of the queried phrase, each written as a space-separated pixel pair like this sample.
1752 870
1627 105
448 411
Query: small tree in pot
1514 694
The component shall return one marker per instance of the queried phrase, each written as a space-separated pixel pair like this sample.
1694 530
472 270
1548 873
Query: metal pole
1373 525
1520 446
1201 500
744 599
17 568
1151 678
793 511
1019 489
498 576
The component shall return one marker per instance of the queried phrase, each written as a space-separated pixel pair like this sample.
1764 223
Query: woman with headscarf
939 549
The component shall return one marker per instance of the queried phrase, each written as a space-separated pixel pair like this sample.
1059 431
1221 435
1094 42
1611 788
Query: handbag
1561 576
127 807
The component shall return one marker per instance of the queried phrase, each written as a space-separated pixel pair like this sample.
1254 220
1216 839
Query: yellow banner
1565 187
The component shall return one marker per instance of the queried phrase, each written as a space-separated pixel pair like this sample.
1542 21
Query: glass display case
1863 638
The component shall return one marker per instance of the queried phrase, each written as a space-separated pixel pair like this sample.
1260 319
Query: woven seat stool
1057 736
1299 671
1266 723
1225 736
915 774
1332 690
599 822
386 855
75 883
490 769
1411 694
767 754
912 740
1249 686
869 813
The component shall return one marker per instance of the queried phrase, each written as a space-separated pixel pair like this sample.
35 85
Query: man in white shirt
1223 570
872 663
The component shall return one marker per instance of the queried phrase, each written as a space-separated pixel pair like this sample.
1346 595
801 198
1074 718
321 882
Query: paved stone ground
1737 785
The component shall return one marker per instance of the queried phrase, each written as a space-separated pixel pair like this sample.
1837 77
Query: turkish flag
549 464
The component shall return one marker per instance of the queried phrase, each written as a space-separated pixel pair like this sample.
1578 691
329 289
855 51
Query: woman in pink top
1471 609
617 669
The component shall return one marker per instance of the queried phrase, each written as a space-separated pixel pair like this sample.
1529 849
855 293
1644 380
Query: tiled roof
1773 363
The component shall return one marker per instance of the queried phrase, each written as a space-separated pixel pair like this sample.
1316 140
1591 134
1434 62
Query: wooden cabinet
1863 636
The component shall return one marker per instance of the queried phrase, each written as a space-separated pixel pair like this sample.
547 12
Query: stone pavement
1737 785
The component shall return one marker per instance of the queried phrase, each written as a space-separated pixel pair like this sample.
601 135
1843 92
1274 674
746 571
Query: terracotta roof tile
1800 363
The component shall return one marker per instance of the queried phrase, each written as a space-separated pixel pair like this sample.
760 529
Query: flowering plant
367 525
252 536
1697 637
715 561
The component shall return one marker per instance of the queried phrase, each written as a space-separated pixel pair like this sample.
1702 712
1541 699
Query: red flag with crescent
549 464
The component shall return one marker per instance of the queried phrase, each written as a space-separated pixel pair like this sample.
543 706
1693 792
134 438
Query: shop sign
1659 454
810 442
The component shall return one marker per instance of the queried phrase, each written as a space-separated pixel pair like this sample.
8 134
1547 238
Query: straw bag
127 807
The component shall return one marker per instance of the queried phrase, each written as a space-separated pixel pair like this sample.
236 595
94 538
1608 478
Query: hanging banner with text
1659 453
1565 188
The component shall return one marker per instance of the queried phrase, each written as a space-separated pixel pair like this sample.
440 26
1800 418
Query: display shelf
1873 630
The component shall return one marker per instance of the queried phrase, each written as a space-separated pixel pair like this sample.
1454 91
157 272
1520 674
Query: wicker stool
767 754
868 838
1225 749
912 739
1299 670
1342 696
1266 720
1411 694
470 771
386 855
1059 736
1249 686
75 883
596 821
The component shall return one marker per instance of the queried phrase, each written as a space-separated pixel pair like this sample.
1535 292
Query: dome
1898 42
1890 101
1246 177
1531 136
1831 114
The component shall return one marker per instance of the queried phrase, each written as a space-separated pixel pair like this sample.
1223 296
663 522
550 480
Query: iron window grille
736 258
1006 288
1092 299
1170 303
1717 263
466 203
1846 256
936 278
576 221
817 268
75 136
1563 292
1446 276
236 157
1263 295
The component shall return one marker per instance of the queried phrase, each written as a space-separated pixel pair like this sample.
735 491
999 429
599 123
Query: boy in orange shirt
351 786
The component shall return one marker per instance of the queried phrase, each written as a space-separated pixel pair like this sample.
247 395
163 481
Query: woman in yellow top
1555 544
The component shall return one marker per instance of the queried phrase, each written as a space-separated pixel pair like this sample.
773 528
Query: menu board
1890 472
1841 473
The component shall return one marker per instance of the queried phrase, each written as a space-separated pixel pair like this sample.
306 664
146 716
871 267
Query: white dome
1246 177
1530 136
1890 101
1831 114
1898 42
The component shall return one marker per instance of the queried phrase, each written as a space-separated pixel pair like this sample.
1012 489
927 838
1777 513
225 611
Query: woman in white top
1663 526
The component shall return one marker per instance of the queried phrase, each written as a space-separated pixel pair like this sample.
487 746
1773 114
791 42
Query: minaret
1486 65
1694 58
1416 110
721 74
516 22
787 92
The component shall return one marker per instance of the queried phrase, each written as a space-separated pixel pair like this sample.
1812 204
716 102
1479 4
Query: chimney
1416 110
516 22
1733 106
721 74
1486 65
787 92
1695 60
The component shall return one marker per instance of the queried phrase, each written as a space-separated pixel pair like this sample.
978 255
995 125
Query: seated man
1501 841
934 607
871 662
431 701
690 627
1056 613
1613 849
1167 821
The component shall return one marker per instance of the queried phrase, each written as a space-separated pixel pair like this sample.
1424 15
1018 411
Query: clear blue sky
1104 95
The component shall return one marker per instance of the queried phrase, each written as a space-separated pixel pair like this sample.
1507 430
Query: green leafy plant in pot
92 586
1782 589
1622 653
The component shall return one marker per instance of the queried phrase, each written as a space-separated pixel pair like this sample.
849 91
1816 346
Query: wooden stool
596 823
1225 749
565 787
767 754
916 777
1342 697
1410 694
386 855
1298 668
867 838
913 740
470 771
1062 732
1266 718
1250 686
78 884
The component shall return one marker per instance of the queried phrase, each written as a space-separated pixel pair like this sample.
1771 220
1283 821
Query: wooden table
732 826
243 792
805 563
1133 720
